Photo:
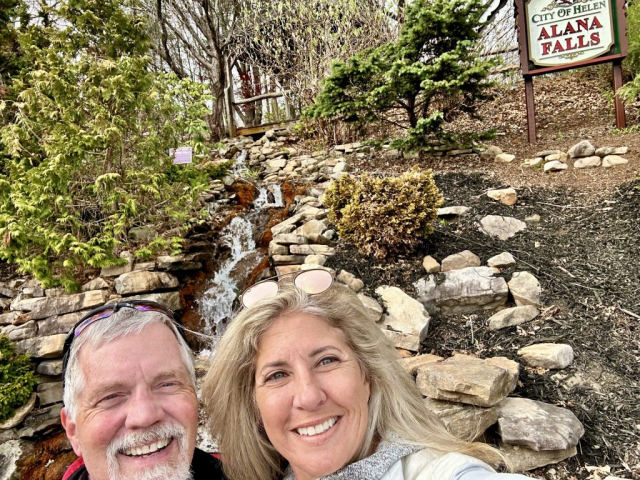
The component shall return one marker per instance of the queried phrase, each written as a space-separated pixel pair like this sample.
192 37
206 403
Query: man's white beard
175 470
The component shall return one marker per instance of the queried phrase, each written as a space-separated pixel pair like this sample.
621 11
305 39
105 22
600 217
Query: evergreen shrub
16 379
384 216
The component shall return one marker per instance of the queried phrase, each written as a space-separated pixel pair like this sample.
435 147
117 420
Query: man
131 410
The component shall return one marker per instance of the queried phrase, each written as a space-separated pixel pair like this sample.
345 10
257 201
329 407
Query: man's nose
309 393
144 410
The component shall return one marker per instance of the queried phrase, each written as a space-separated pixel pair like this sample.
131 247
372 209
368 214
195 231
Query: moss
385 216
16 379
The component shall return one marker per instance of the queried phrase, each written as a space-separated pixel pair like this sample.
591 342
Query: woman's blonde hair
395 405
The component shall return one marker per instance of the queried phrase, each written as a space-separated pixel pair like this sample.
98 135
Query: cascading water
216 304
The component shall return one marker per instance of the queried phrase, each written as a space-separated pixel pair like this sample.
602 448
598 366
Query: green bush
16 379
384 216
87 146
631 90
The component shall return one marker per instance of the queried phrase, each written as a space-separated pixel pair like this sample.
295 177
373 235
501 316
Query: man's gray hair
125 322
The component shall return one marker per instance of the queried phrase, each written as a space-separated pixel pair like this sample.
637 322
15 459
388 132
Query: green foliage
384 216
631 90
431 61
87 143
16 379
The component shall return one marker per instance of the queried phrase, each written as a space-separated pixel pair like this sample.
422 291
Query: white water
216 304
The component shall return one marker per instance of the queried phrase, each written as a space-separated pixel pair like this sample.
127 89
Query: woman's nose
144 410
309 393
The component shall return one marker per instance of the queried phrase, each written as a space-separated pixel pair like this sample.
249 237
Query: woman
306 386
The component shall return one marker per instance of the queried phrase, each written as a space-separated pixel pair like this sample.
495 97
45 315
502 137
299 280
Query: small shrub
16 379
384 216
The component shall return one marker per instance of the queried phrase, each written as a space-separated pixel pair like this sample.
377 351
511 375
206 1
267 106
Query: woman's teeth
317 429
147 449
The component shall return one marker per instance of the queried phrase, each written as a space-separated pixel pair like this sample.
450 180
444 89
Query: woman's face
311 394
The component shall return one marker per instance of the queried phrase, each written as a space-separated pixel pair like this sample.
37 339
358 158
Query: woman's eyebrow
320 350
277 363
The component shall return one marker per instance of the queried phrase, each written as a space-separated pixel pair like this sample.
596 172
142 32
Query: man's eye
109 399
275 376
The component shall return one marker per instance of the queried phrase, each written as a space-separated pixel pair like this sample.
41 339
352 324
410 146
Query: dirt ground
585 251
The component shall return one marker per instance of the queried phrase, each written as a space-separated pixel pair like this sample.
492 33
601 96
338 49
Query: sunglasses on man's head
106 311
313 282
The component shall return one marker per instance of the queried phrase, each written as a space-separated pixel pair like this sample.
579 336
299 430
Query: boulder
412 364
525 289
504 158
547 355
460 260
374 309
537 425
506 196
50 306
587 162
510 317
42 347
613 160
504 260
141 281
466 422
430 264
468 380
351 281
405 341
462 291
403 313
582 149
501 227
555 166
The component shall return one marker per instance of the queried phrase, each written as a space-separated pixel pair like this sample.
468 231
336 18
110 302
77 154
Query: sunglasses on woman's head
313 282
106 311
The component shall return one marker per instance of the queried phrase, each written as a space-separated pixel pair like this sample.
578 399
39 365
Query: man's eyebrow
100 390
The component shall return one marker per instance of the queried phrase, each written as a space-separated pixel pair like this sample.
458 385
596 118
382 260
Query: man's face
137 413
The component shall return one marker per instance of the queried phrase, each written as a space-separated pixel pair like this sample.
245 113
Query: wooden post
531 109
621 120
228 92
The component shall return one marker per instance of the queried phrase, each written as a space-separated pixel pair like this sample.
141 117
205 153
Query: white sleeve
476 470
455 466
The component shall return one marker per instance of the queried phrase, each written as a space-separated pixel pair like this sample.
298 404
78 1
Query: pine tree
433 59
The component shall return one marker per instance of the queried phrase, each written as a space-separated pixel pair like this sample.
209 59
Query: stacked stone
38 321
583 154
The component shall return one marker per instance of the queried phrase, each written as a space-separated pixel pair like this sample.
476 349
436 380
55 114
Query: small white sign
568 31
182 155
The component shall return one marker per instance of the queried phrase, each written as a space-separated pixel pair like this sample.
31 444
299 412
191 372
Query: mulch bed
585 252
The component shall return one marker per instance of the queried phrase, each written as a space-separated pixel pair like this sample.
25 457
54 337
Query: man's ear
72 431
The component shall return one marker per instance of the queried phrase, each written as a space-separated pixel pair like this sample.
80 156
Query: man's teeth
147 449
317 429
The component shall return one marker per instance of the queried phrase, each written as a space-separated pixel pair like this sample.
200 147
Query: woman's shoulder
426 465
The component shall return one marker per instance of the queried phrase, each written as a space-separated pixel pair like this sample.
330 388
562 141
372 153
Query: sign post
556 35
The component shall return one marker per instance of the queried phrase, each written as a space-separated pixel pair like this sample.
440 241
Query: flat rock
405 341
430 264
522 459
49 393
290 239
20 332
411 364
533 162
468 380
312 250
560 157
604 151
97 283
351 281
587 162
8 318
555 166
42 347
141 281
374 309
547 355
506 196
50 306
504 260
462 291
582 149
613 160
179 262
510 317
525 289
404 314
315 259
19 415
501 227
50 367
466 422
312 231
460 260
537 425
277 249
449 212
546 153
504 158
59 323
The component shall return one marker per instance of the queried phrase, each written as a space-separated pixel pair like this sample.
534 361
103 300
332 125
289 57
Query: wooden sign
562 34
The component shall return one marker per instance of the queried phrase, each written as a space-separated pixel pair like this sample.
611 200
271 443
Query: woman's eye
328 360
275 376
